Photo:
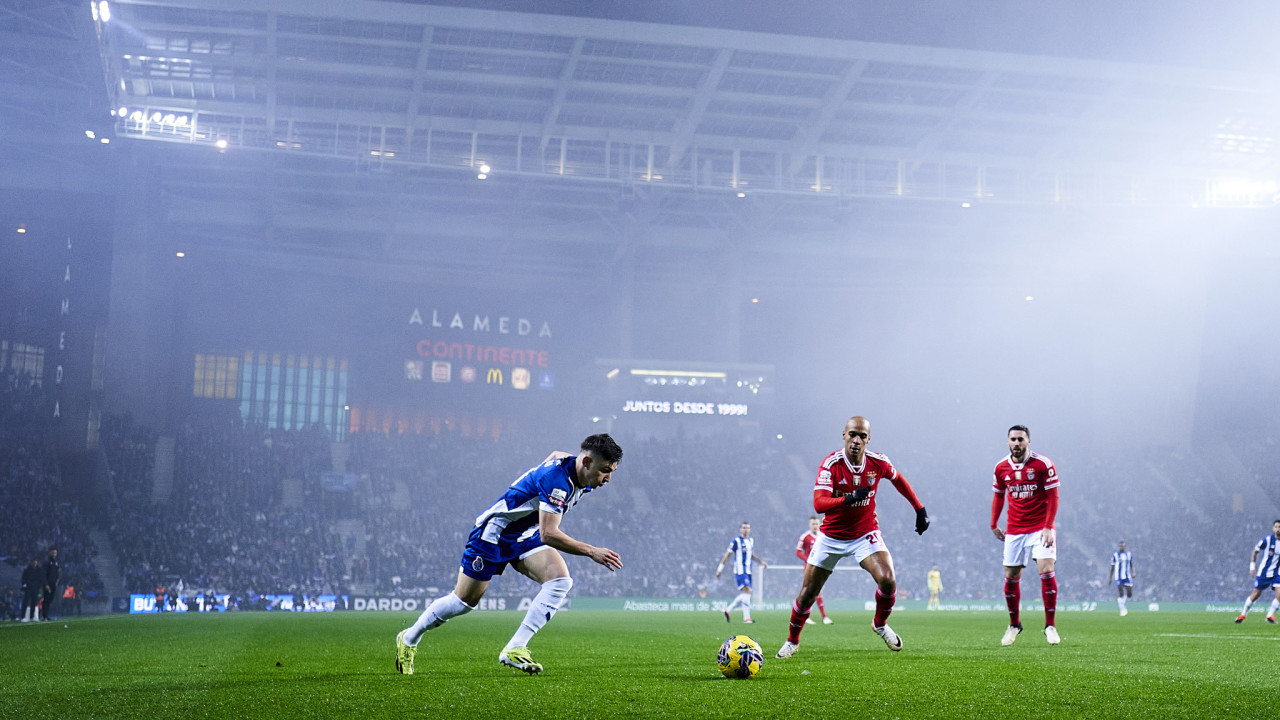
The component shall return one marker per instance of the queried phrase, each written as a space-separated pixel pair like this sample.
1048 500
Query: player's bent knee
563 584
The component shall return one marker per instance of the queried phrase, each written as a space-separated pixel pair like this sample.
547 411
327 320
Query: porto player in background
1031 483
1122 574
1264 565
743 550
803 547
845 492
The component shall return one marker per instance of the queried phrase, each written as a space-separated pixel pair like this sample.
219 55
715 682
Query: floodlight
221 144
484 169
104 11
89 134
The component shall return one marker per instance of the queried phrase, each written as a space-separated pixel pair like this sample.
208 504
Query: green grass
660 665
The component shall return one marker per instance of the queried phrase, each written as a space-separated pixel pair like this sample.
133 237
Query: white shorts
1020 550
827 551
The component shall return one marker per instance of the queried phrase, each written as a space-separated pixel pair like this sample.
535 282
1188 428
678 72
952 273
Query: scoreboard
661 398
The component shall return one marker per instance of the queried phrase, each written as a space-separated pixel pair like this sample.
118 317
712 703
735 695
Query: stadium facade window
22 359
291 392
215 376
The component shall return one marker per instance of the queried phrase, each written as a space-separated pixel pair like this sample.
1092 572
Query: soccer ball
740 658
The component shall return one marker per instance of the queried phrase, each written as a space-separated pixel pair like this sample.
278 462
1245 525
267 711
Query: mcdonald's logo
493 376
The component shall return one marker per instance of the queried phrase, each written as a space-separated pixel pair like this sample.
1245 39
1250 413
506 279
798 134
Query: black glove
922 521
857 495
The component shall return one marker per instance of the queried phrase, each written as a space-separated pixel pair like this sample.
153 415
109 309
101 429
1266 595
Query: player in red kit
1031 483
803 547
845 492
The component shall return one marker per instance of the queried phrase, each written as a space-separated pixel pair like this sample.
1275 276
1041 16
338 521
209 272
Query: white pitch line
1219 637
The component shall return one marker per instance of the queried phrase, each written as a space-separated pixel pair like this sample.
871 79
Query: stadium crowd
35 514
226 527
250 513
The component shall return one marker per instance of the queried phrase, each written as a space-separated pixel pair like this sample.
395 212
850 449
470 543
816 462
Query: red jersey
805 545
837 477
1028 485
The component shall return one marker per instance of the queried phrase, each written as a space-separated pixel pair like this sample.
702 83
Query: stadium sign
481 323
395 604
665 407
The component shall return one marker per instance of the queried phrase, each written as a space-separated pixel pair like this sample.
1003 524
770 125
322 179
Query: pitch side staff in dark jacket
32 582
51 574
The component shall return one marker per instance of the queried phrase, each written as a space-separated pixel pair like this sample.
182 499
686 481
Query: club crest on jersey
559 498
477 564
871 478
1031 474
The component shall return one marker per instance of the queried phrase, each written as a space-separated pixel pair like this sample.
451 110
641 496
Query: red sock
798 616
1012 598
884 606
822 607
1049 589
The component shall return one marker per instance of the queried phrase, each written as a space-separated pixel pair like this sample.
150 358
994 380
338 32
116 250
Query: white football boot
890 637
1010 634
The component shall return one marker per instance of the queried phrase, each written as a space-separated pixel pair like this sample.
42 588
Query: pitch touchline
1218 637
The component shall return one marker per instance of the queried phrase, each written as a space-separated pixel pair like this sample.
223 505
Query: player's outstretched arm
758 559
549 528
903 486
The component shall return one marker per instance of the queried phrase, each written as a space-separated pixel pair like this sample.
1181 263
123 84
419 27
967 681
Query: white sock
436 614
1122 600
541 610
1247 604
746 606
734 605
1275 605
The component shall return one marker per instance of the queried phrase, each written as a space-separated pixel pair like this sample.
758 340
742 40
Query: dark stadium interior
259 263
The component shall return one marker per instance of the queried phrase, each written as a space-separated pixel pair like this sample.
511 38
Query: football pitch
639 665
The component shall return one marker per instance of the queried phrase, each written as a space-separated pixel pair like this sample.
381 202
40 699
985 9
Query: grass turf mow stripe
636 665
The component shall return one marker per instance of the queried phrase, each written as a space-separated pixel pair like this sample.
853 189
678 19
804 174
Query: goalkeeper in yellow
935 587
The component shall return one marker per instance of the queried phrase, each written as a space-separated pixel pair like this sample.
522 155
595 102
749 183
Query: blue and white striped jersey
548 487
742 549
1122 563
1268 557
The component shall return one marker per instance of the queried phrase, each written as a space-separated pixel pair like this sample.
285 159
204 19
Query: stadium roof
356 131
396 86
